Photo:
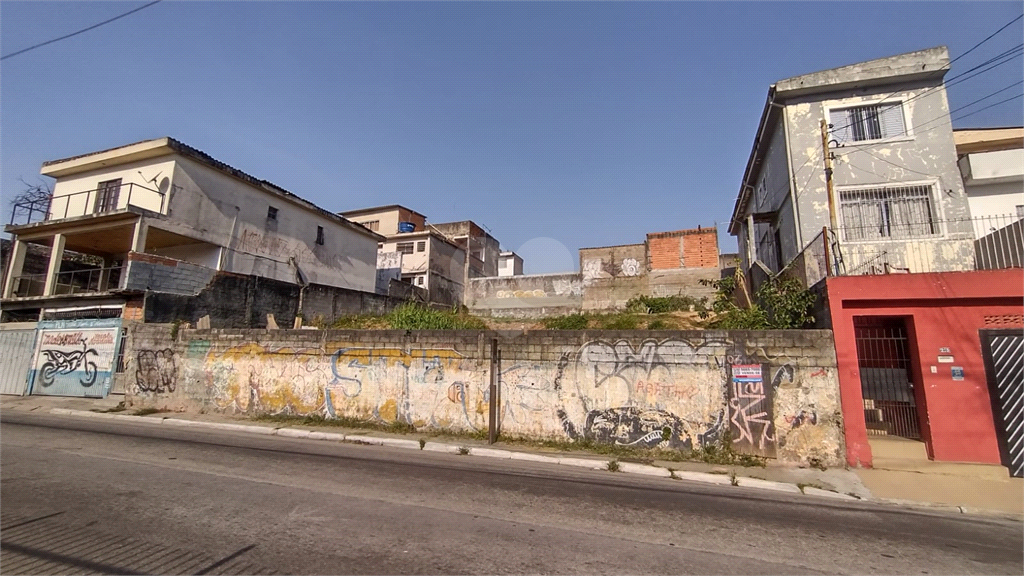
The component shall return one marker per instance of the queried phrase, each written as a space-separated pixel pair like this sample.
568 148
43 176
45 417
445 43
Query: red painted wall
942 310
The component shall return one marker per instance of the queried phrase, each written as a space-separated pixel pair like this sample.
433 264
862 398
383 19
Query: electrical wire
66 36
947 66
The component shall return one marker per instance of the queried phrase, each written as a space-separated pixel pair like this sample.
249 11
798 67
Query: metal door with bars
1003 352
886 378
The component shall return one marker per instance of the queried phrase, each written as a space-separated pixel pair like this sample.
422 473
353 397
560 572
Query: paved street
89 496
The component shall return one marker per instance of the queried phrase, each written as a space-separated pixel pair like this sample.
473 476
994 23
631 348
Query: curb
588 463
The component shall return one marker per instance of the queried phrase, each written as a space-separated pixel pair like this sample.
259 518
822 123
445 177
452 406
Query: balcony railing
979 243
71 282
929 245
98 201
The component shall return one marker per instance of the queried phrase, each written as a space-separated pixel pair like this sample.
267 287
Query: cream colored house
166 217
414 252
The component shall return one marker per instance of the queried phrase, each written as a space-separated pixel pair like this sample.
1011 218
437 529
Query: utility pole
828 176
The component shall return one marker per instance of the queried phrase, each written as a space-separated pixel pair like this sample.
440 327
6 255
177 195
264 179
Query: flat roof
387 208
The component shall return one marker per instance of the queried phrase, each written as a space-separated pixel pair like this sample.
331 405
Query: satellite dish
164 185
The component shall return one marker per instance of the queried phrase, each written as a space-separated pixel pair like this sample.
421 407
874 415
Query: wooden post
828 176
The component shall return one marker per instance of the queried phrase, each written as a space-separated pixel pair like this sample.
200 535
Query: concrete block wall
638 388
152 272
532 296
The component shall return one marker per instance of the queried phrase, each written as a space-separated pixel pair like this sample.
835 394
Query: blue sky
555 125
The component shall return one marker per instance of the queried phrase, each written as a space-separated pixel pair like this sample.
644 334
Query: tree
32 198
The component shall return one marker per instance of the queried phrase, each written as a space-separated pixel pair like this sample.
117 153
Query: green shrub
568 322
780 303
414 317
662 304
657 325
620 322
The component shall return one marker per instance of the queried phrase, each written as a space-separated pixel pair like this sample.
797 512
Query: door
1003 351
886 377
108 194
16 360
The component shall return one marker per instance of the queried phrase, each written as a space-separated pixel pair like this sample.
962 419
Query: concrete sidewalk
951 493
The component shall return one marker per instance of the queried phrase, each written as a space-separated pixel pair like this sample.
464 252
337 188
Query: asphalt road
91 496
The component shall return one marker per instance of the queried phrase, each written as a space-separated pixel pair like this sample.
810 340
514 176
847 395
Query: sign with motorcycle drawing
75 362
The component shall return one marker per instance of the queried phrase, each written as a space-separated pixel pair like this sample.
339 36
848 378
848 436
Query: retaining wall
774 393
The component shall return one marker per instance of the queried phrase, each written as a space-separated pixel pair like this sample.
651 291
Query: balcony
88 202
70 282
914 246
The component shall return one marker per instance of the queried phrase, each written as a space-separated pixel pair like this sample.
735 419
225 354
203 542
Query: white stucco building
992 165
166 217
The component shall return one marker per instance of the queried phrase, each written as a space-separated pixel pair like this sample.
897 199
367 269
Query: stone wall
774 393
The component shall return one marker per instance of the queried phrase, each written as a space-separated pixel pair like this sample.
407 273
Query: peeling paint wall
210 206
925 156
773 393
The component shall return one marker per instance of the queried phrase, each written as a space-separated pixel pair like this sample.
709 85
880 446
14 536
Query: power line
1005 26
66 36
1006 57
946 67
955 110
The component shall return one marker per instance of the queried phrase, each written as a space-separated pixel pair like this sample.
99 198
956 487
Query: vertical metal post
492 415
497 382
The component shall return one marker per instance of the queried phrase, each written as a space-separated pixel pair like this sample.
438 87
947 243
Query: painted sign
750 410
75 362
958 372
945 359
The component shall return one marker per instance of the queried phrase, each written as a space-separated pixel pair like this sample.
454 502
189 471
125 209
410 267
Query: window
421 246
372 225
271 213
320 235
107 195
419 280
404 247
867 122
887 213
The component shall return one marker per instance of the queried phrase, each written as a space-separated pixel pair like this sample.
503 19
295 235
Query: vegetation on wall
661 304
412 316
780 303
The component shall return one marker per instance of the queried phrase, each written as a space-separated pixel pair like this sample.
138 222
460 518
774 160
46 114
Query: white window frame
399 247
939 223
908 126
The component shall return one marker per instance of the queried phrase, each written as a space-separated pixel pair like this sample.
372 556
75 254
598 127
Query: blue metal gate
75 357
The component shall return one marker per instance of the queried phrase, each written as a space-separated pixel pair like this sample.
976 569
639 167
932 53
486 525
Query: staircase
905 455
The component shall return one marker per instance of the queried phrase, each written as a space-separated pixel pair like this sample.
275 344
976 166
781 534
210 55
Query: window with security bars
404 247
887 213
875 122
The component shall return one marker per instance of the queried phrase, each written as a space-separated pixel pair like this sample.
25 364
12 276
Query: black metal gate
886 380
1004 365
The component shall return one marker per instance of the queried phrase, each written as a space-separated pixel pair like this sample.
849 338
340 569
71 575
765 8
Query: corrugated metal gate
16 348
1003 351
75 357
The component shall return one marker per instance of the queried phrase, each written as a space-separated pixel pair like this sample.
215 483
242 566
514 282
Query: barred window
890 212
404 247
867 122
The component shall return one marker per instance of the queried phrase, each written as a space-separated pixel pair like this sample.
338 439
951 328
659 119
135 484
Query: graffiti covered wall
772 393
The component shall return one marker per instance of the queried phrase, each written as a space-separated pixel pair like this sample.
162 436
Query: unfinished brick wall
696 248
